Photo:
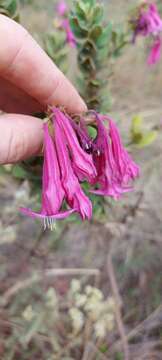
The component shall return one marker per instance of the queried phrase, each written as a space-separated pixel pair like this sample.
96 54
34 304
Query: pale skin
29 82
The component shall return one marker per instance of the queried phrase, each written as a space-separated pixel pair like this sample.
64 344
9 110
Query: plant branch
118 315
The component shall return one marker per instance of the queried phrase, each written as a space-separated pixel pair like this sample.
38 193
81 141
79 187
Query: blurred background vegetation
93 290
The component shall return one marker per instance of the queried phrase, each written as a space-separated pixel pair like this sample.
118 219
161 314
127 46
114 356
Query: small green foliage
148 139
97 44
18 172
55 47
119 356
118 41
87 23
136 124
139 137
30 169
103 348
92 132
10 8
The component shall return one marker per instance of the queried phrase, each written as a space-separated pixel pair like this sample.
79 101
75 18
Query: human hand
29 81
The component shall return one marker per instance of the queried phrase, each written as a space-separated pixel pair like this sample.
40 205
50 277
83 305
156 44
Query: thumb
22 137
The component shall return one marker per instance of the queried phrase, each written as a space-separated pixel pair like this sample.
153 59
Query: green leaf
148 139
9 8
94 83
12 6
3 170
96 32
98 14
34 327
88 47
56 48
18 172
136 124
87 3
80 11
104 348
92 131
105 36
118 51
77 28
139 137
93 38
86 64
94 103
50 45
119 356
136 138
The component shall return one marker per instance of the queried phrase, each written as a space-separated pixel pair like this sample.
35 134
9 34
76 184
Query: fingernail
82 107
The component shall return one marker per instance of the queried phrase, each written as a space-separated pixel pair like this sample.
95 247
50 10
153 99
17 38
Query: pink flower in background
155 19
74 194
148 21
155 52
70 38
62 8
149 24
52 190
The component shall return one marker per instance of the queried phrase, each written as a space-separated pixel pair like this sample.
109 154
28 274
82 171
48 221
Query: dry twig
117 299
38 276
140 327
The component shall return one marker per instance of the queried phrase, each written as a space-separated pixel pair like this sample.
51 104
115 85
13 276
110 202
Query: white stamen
49 223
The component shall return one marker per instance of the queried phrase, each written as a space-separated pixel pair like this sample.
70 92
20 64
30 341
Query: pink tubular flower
52 192
155 53
71 156
128 170
149 23
107 172
74 194
115 167
62 8
82 163
155 19
70 38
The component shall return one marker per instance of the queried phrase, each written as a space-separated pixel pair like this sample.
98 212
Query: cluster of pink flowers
149 24
71 156
62 11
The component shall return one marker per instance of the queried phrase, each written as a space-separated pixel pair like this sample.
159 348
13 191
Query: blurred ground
133 227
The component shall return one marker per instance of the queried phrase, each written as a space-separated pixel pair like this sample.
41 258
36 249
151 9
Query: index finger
25 64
